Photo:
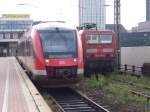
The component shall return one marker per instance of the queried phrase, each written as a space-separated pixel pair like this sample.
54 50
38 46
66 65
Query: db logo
61 62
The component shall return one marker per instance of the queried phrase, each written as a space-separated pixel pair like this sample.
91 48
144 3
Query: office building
147 10
12 27
92 11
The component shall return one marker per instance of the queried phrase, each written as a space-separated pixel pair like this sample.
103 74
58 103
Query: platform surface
17 93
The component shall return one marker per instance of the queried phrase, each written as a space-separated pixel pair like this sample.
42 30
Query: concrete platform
17 93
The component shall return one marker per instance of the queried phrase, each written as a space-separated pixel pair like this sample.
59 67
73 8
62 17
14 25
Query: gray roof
52 26
111 27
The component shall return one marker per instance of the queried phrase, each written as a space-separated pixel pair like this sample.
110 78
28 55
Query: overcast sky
132 11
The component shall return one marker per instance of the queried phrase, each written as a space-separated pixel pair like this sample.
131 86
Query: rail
140 94
68 100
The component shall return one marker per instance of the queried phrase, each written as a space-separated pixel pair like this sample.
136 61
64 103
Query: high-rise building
147 10
92 11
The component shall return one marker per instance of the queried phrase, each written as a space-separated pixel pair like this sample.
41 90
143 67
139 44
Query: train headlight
75 60
107 50
47 61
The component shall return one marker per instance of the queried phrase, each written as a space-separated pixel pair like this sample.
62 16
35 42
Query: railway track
69 100
133 84
140 94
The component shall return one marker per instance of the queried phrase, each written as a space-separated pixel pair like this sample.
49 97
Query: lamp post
28 6
23 4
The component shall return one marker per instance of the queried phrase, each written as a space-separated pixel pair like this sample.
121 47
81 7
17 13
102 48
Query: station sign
15 16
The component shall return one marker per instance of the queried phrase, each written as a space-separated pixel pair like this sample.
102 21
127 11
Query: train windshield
58 44
96 39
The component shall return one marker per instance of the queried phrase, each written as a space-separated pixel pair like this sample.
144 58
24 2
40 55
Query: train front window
96 39
58 44
105 39
92 39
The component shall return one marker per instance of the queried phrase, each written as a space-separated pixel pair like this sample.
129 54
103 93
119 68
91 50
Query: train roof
94 31
52 26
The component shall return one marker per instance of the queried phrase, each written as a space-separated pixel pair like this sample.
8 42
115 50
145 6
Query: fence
134 70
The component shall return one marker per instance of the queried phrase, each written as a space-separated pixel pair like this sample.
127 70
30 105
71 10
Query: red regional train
99 50
52 52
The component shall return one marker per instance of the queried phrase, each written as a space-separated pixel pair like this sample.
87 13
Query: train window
88 38
58 44
105 39
91 39
95 39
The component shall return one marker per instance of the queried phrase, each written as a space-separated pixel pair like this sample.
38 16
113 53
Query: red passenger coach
52 52
99 50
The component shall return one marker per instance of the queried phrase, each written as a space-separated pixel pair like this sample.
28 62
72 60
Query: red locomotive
99 50
52 52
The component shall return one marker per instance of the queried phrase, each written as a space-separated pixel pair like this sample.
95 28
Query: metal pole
117 29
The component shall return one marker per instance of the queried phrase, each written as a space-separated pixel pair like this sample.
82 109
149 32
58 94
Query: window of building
7 35
15 36
1 36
